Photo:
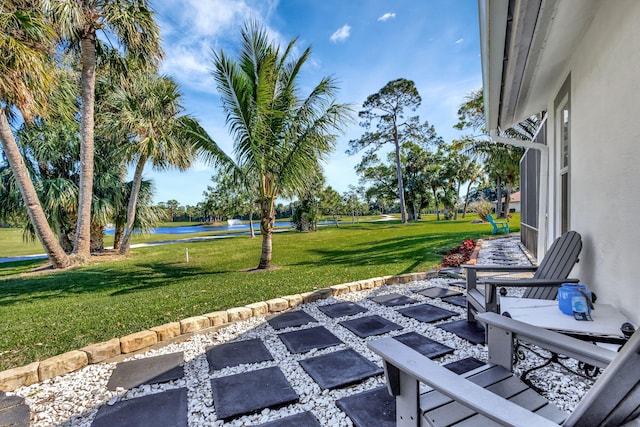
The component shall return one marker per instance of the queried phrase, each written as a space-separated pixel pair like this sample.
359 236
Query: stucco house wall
604 72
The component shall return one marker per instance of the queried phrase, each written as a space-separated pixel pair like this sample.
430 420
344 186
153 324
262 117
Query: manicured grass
52 312
12 244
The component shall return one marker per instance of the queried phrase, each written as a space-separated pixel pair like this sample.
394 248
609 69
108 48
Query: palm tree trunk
403 208
507 197
118 232
466 200
266 229
97 238
253 233
83 229
47 238
435 198
455 207
125 246
499 193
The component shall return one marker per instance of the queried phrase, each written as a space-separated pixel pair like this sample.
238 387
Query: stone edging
74 360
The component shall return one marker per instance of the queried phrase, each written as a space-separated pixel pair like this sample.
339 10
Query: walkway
307 367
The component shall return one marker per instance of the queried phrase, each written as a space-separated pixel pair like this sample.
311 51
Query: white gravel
73 399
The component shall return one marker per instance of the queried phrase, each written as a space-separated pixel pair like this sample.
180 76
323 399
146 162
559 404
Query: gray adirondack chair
552 272
491 395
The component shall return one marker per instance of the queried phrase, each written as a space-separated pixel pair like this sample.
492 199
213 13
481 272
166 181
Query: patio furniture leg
405 388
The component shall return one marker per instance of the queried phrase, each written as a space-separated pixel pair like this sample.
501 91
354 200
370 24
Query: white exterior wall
604 155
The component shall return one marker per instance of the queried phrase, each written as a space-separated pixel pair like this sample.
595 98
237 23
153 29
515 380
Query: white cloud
192 28
459 41
341 34
387 16
211 17
190 65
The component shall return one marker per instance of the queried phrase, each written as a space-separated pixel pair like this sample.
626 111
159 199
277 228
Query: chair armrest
413 365
550 340
501 268
525 282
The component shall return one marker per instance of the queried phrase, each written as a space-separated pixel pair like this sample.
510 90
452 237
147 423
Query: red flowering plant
459 255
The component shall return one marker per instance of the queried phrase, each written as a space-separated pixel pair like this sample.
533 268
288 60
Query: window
563 124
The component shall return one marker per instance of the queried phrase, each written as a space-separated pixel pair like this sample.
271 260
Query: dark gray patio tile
375 407
423 345
467 330
370 325
290 319
16 416
464 365
438 292
341 309
237 353
168 408
427 313
151 370
303 419
339 368
13 411
392 300
251 391
460 300
9 401
308 339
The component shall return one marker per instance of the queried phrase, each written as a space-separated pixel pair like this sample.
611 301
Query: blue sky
363 43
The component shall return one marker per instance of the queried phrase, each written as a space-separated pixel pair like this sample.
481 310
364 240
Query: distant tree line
82 101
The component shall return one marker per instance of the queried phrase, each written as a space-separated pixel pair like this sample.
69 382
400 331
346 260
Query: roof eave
493 25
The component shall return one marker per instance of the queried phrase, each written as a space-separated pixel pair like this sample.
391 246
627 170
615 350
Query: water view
188 229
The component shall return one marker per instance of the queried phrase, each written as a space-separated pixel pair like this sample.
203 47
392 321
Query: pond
188 229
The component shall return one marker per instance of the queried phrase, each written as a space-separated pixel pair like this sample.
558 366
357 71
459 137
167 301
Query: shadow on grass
17 267
96 280
418 250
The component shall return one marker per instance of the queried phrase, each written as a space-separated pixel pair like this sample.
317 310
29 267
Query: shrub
482 207
459 255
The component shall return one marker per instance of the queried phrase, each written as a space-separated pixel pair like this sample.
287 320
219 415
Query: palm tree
150 110
50 150
502 162
27 78
279 136
147 215
131 24
472 174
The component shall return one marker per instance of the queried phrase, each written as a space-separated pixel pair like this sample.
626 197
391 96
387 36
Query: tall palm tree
279 136
150 110
27 78
131 25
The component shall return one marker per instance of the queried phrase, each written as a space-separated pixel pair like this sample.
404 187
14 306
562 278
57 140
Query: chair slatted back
556 264
614 399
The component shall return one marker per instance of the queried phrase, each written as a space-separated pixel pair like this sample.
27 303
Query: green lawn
12 242
52 312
